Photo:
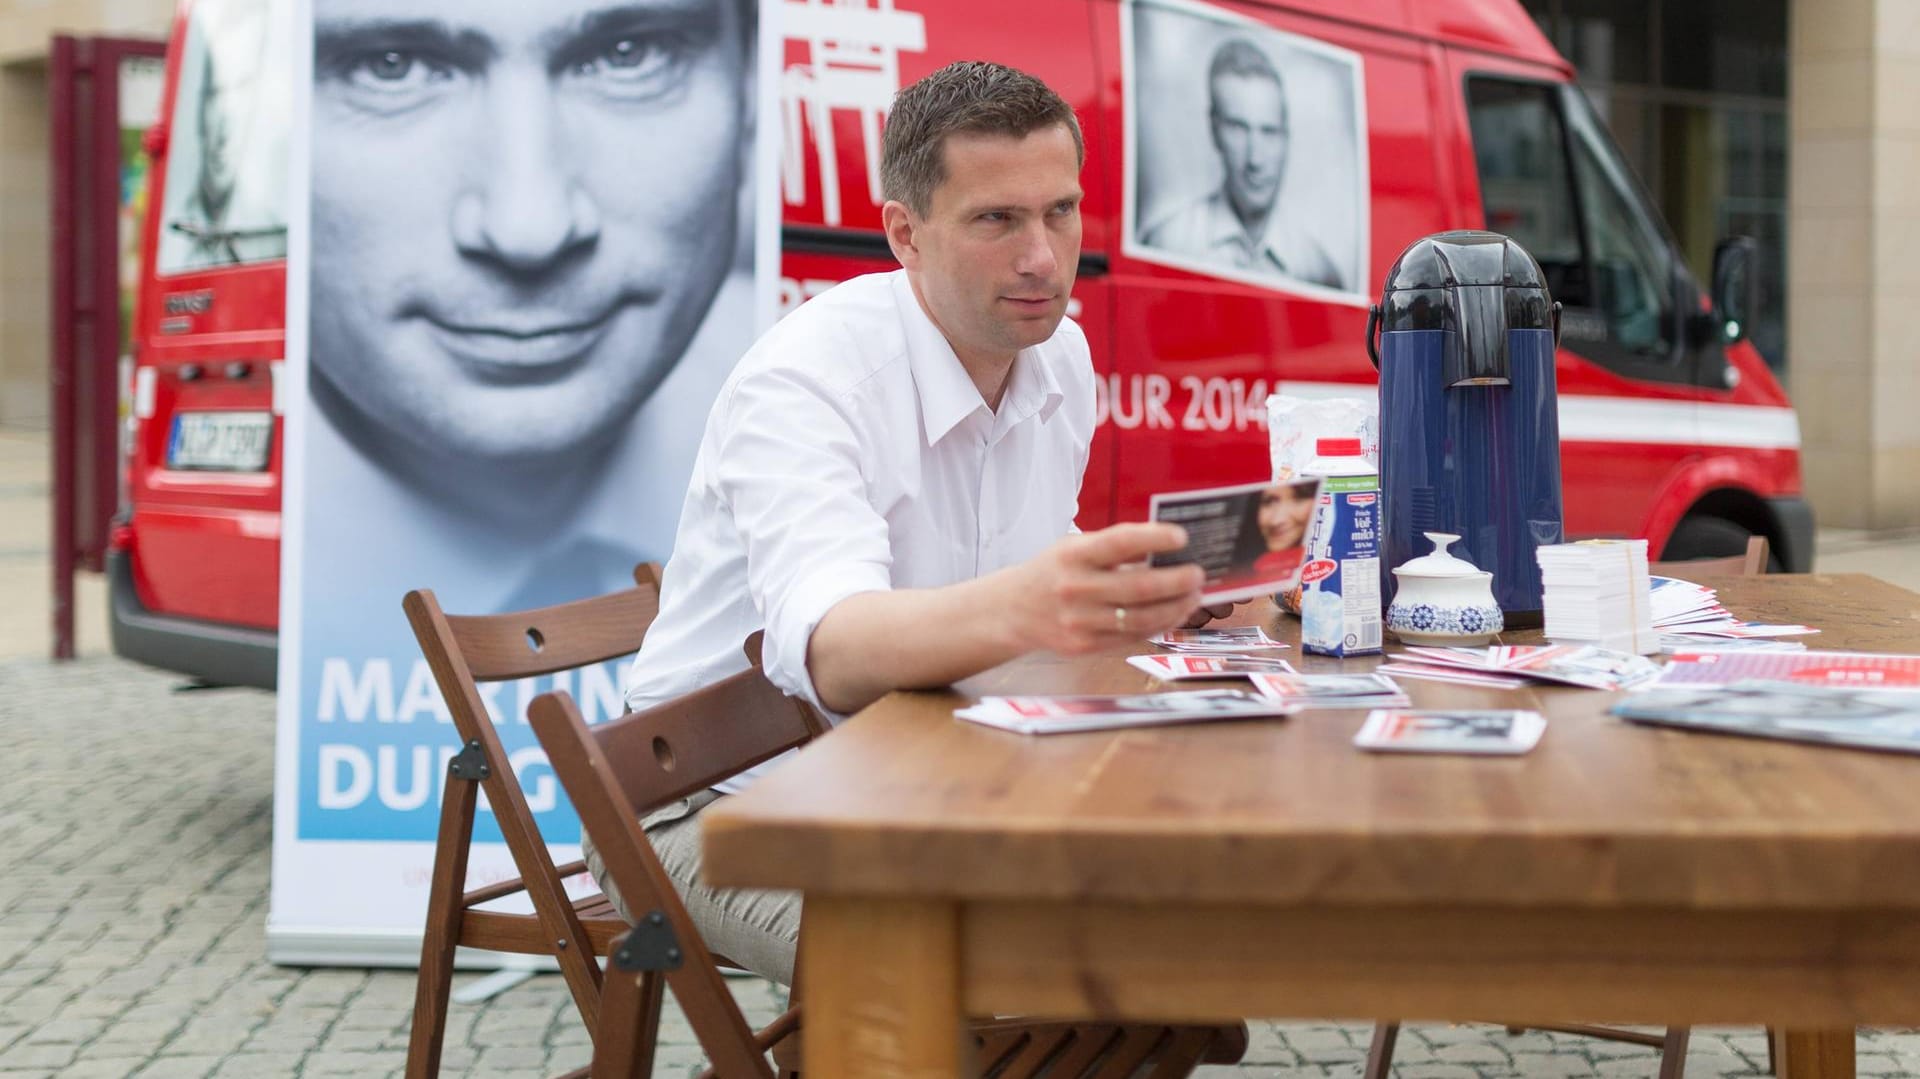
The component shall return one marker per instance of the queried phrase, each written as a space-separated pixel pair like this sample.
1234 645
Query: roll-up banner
528 242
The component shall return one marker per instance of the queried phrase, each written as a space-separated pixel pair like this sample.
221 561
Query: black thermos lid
1477 284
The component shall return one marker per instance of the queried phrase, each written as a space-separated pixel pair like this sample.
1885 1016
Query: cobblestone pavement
134 825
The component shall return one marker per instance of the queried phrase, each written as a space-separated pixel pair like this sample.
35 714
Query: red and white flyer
1176 668
1857 670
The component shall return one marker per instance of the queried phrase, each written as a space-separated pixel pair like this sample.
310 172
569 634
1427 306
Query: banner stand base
400 949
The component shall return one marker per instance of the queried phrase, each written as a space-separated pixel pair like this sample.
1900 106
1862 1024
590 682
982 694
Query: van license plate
221 441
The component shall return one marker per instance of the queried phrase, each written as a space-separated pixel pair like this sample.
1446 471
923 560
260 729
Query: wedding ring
1120 619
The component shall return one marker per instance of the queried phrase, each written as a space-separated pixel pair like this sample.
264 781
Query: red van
1252 170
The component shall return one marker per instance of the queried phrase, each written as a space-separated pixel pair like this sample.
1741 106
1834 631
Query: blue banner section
377 739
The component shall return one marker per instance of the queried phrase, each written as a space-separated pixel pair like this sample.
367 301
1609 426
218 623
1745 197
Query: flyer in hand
1832 715
1251 540
1400 730
1058 715
1177 668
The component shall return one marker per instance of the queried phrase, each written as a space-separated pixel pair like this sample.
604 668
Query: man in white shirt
888 479
1238 225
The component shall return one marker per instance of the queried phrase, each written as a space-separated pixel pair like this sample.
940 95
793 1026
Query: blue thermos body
1464 338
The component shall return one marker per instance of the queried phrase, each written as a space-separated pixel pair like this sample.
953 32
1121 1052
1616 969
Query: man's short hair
1240 57
970 97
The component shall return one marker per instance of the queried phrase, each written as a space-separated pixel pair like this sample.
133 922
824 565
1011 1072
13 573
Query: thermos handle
1373 332
1556 324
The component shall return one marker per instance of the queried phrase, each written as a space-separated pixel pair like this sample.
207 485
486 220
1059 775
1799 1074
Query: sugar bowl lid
1440 563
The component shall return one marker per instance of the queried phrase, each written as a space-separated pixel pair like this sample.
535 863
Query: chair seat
498 931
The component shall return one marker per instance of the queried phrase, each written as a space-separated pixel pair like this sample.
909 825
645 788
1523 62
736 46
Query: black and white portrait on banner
1246 150
537 237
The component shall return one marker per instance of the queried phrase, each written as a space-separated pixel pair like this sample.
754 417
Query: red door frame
85 360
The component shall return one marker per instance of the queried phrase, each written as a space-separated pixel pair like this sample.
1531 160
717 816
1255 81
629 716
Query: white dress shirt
850 452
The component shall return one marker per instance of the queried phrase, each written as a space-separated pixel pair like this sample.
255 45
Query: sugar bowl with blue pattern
1443 600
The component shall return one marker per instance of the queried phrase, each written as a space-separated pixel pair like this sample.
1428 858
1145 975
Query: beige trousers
757 928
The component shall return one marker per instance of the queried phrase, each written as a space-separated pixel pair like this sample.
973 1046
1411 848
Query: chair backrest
1750 564
619 770
463 651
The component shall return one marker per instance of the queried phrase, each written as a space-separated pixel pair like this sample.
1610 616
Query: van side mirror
1736 288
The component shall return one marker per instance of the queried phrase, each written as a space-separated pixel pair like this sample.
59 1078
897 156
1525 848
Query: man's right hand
1092 590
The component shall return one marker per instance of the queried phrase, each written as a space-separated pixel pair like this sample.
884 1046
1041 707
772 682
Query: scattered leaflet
1597 592
1856 670
1231 639
1180 667
1685 609
1059 715
1332 690
1672 643
1428 672
1831 715
1573 665
1462 731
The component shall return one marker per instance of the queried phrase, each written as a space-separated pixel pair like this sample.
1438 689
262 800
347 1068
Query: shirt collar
1032 390
1224 228
947 393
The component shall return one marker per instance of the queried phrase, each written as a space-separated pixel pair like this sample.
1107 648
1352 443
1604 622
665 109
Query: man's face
995 255
521 211
1250 130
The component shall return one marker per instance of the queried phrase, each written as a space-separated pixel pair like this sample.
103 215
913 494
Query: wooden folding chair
463 652
1750 564
616 771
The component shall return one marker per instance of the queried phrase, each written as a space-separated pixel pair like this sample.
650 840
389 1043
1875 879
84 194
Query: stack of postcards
1597 592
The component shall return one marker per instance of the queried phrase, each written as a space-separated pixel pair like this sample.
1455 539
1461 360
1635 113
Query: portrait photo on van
225 199
1246 150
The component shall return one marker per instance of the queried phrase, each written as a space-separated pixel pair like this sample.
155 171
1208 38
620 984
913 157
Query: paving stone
523 1058
347 1039
103 1068
180 1067
1319 1038
1437 1071
355 1064
66 1031
259 1065
23 1054
1552 1064
1480 1052
1449 1034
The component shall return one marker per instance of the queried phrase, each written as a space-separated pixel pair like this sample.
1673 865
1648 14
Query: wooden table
1616 873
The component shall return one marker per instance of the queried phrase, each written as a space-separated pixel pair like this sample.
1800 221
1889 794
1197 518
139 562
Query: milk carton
1340 583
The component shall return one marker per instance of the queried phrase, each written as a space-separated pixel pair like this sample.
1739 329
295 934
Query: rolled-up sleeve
791 474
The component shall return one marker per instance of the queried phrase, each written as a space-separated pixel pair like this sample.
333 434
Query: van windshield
225 199
1551 179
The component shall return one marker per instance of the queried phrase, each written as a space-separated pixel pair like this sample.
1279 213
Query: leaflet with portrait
1251 539
1794 711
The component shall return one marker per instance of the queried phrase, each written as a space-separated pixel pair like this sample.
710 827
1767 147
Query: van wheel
1711 537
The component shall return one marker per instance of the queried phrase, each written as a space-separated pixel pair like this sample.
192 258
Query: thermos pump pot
1464 338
